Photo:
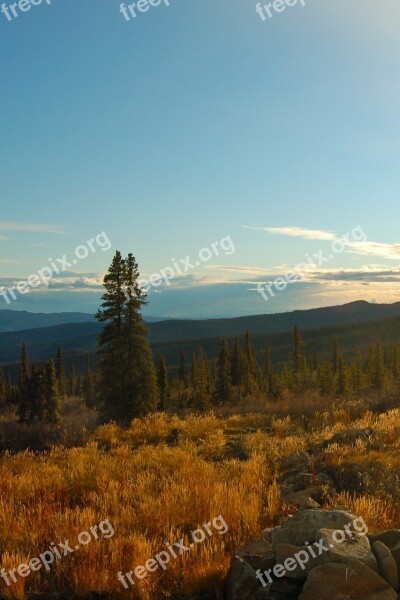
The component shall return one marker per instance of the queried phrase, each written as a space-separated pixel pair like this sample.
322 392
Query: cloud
30 227
6 261
390 251
306 234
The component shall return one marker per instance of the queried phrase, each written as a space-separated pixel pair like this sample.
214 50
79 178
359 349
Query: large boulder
387 565
241 582
353 580
305 526
302 559
257 554
391 539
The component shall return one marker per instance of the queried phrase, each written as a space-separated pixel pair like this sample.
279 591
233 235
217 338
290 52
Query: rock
356 547
349 437
305 525
298 461
286 589
387 565
303 500
267 534
335 581
391 539
327 551
241 582
257 553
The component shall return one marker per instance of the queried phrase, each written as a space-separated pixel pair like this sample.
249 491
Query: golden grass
166 476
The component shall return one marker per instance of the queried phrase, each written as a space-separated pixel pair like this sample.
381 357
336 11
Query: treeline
236 374
129 383
41 388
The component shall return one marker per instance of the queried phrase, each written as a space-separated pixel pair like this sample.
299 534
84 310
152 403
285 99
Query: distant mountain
355 312
366 322
20 320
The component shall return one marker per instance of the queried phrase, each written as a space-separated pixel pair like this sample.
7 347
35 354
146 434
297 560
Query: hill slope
356 324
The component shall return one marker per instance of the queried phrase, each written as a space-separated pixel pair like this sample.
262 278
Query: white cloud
306 234
30 227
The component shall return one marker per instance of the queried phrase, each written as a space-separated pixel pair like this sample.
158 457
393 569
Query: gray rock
335 581
257 553
387 565
305 525
305 558
241 582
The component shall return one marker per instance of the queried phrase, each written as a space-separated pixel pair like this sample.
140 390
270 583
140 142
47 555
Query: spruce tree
341 383
60 371
298 359
3 388
37 391
73 382
267 361
182 367
224 390
162 380
335 355
52 405
89 386
202 399
237 363
128 384
379 371
23 386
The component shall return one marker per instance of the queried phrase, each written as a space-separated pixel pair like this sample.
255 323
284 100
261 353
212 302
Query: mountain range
355 324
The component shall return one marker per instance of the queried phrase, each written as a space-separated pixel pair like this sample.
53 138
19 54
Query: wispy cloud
307 234
353 246
6 261
391 251
30 227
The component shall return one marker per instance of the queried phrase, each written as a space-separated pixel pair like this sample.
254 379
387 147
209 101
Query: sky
223 146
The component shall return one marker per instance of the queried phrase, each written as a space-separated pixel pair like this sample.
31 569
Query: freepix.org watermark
277 6
318 259
182 266
142 6
64 549
313 551
44 276
12 11
163 558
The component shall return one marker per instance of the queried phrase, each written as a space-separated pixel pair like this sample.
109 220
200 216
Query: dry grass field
166 476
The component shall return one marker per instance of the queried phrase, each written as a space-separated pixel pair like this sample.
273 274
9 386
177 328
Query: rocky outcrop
317 554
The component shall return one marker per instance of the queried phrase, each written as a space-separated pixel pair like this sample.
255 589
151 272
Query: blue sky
194 122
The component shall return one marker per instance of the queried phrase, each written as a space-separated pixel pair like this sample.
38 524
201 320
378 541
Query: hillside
318 327
19 320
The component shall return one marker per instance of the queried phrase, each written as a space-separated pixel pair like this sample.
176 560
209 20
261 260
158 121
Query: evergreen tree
267 361
162 380
237 363
299 362
182 367
23 386
202 397
224 390
325 378
37 391
379 371
52 405
341 383
335 355
73 382
89 386
127 373
3 388
60 371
